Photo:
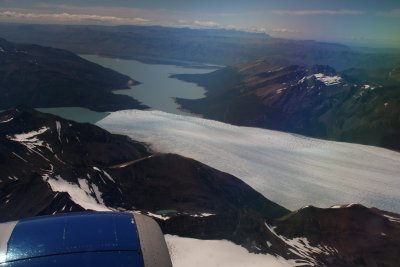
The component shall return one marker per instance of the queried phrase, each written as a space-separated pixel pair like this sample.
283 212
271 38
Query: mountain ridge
314 101
185 46
65 166
38 76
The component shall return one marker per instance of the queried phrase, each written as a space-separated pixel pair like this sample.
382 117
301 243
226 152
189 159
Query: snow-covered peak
326 79
369 86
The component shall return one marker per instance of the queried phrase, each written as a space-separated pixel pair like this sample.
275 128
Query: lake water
157 90
77 114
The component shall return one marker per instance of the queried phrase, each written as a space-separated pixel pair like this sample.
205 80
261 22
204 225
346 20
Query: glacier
290 169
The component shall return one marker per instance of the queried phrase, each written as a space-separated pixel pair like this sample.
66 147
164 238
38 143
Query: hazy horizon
361 23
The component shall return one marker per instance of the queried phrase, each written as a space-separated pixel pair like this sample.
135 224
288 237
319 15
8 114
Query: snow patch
84 185
29 139
303 79
190 252
108 176
202 215
55 155
158 216
392 219
98 194
96 169
368 86
58 127
7 120
280 90
301 247
79 194
328 80
18 156
105 173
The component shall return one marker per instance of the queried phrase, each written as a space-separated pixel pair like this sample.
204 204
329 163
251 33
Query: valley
154 81
247 149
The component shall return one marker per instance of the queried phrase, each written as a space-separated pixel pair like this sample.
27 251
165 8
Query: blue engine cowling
100 239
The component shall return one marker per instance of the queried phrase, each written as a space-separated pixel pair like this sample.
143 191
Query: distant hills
50 165
185 46
314 101
37 76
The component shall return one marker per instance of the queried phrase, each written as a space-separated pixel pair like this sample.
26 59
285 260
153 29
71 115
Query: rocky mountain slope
314 101
359 236
50 165
37 76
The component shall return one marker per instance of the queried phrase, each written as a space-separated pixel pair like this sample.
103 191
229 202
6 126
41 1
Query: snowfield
30 140
190 252
327 80
80 194
289 169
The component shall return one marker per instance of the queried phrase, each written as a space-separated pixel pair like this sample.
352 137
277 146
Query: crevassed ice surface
289 169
